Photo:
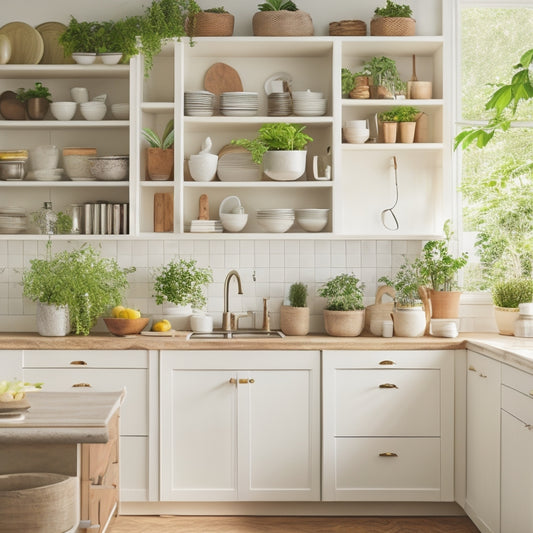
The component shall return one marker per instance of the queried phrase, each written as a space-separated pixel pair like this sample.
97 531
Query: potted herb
79 40
439 269
212 22
37 100
404 116
281 18
507 294
393 19
160 154
79 283
294 318
355 84
384 76
344 315
180 287
114 40
281 149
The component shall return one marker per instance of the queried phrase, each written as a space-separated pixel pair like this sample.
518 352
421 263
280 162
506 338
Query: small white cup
79 94
387 328
202 323
360 124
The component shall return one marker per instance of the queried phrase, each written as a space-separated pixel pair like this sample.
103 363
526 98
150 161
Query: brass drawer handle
87 385
481 375
388 454
387 362
388 386
233 381
81 363
472 369
246 380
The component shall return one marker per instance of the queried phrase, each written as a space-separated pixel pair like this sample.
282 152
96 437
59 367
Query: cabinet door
11 364
483 442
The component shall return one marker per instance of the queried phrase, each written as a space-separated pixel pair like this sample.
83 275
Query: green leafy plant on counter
406 283
182 282
511 292
343 293
39 91
165 141
392 9
298 295
81 279
277 5
403 113
276 136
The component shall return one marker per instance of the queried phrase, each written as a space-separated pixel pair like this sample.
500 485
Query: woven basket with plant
281 18
393 20
214 22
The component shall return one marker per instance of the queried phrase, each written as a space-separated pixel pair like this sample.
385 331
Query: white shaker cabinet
388 425
516 451
240 425
483 442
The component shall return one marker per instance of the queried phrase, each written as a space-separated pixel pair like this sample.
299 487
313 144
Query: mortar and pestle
418 90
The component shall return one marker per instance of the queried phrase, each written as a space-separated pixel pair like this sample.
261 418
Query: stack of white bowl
120 111
275 220
63 110
308 103
312 219
199 103
94 110
239 104
356 131
44 160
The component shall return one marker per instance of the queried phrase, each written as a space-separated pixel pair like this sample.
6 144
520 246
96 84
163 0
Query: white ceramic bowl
93 110
274 225
110 58
109 168
312 219
120 111
84 58
356 135
359 124
63 110
203 167
233 222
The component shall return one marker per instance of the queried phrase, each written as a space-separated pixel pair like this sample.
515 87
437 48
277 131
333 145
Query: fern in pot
294 318
344 315
507 295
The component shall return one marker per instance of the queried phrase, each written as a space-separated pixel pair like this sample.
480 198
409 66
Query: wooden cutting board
163 212
221 78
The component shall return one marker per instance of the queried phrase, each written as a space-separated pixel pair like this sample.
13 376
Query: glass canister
524 325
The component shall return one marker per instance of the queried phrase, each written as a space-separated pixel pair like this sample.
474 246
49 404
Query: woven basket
282 23
395 26
347 27
211 25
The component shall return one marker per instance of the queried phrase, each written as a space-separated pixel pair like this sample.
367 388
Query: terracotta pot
506 318
37 108
407 132
344 323
409 321
444 304
389 131
160 164
294 320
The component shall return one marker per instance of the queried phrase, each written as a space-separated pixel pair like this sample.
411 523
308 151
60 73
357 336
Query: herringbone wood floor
264 524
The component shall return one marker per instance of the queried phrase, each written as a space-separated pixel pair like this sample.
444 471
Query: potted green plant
355 84
281 18
294 318
384 75
79 284
212 22
115 40
79 40
37 100
160 154
439 269
393 19
344 315
507 294
180 287
404 116
281 149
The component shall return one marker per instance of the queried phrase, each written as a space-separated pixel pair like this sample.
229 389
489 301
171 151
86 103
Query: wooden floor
264 524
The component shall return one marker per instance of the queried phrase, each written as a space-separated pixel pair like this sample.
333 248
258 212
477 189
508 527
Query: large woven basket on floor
347 27
211 25
392 26
282 23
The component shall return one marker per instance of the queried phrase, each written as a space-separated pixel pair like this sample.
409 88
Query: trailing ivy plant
343 293
394 10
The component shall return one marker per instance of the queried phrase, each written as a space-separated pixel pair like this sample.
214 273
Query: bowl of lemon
125 321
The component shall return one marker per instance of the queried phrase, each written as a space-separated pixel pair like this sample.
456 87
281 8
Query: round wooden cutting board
221 78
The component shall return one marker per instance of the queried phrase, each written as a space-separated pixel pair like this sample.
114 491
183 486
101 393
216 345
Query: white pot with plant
507 295
280 147
72 289
179 286
160 154
294 318
344 315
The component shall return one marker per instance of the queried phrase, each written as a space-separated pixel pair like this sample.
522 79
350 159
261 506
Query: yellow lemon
161 325
133 313
115 312
123 314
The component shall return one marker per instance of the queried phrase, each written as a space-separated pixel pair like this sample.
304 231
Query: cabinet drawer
134 410
387 464
518 405
518 380
386 359
85 358
387 402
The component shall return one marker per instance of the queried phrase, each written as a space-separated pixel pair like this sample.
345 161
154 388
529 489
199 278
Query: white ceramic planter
284 165
179 316
52 321
506 318
409 322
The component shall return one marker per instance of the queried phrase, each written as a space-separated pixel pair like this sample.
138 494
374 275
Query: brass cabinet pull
388 386
388 454
472 369
233 381
387 362
81 363
88 385
481 375
246 380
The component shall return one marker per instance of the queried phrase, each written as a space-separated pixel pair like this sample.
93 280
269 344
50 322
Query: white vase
52 321
409 321
284 165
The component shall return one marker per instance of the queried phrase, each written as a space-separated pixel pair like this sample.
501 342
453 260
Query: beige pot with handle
379 311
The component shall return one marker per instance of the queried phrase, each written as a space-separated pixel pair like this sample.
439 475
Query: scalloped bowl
126 326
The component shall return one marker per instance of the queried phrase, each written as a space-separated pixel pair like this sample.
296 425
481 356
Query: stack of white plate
279 104
206 226
12 219
308 103
239 104
275 220
312 219
238 166
199 103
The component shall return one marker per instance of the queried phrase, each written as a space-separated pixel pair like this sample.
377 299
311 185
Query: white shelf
392 46
157 107
217 123
385 102
379 147
64 184
258 184
64 71
62 124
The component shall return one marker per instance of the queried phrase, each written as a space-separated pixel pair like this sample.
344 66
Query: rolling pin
203 208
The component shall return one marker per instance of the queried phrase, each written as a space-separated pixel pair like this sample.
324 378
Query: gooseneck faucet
226 315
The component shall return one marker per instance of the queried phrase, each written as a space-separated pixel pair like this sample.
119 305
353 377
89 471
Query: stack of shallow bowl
94 110
312 219
12 164
235 164
279 104
120 111
308 103
12 220
275 220
239 104
199 103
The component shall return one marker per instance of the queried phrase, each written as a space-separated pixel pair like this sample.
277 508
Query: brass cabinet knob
387 362
87 385
388 454
81 363
388 386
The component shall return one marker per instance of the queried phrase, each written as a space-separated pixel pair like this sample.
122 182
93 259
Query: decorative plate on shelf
54 53
27 46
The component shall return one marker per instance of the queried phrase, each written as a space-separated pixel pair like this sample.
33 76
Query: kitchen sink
238 334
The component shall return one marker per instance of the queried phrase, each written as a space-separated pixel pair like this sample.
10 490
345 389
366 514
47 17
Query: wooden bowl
126 326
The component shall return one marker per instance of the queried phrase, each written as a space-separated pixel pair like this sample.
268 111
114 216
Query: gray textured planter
52 321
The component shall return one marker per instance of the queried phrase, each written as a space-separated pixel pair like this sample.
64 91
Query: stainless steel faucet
228 323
